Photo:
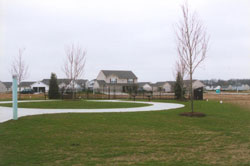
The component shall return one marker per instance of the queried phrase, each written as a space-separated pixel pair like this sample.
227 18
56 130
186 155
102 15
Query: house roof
26 84
122 74
59 81
66 81
81 82
187 82
161 83
141 84
7 84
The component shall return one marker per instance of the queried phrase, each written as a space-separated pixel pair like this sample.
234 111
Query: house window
130 80
113 80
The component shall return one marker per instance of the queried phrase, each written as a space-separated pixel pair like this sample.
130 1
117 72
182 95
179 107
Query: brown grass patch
8 96
242 100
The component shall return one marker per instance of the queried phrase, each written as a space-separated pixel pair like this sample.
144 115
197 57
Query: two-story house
115 81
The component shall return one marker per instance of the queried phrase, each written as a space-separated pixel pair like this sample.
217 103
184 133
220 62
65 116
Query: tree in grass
74 65
179 87
192 43
53 87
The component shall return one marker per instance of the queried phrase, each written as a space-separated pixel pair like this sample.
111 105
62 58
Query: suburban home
164 86
115 81
230 88
3 88
209 88
198 87
80 85
243 87
217 87
145 86
8 86
62 83
90 84
39 87
196 84
67 84
25 85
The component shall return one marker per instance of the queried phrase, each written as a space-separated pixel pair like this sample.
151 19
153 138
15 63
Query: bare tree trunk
191 93
19 93
73 90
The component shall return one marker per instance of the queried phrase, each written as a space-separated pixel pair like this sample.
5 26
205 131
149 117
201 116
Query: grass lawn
77 104
143 138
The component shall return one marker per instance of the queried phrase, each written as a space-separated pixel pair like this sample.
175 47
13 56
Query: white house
217 87
244 87
39 86
90 84
145 86
209 88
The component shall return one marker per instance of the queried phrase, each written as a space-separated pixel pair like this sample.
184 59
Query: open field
143 138
75 104
242 100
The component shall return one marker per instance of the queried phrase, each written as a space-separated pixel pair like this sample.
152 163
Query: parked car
27 91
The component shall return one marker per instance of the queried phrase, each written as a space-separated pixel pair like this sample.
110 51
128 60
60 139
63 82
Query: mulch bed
193 114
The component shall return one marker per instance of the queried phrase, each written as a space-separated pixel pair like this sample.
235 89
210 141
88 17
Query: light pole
14 96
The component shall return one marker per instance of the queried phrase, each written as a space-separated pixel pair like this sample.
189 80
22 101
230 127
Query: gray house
115 81
8 86
25 85
2 87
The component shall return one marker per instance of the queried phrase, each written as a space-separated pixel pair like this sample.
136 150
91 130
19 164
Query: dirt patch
193 114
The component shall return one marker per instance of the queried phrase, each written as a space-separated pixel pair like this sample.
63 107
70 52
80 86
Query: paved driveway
6 112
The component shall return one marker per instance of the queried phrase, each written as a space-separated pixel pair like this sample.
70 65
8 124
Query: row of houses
107 81
113 81
243 87
43 85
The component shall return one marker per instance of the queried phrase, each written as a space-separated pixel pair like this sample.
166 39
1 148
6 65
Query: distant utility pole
14 96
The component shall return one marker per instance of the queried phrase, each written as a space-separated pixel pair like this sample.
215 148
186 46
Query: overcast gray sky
135 35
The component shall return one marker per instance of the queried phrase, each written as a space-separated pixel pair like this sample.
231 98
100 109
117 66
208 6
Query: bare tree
74 64
192 43
19 68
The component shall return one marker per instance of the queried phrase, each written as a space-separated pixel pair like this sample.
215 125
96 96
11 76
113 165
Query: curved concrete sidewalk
6 112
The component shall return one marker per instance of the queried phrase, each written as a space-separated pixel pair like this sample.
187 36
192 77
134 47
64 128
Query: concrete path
6 112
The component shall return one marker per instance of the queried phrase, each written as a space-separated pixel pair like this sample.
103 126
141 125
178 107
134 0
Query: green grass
163 138
77 104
